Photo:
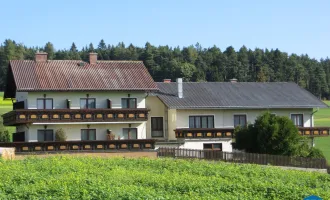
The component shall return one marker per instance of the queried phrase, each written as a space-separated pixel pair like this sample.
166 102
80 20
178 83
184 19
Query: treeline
194 63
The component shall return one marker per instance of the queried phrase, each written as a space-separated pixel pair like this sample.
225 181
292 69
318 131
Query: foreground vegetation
276 135
66 177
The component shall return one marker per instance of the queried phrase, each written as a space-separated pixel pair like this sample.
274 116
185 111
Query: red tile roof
59 75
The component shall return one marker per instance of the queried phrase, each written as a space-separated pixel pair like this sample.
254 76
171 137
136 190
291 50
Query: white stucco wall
225 118
22 96
59 98
199 144
73 131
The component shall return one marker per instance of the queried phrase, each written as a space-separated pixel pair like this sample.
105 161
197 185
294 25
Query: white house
88 100
204 115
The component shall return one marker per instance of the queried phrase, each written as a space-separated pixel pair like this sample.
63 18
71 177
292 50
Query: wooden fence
237 157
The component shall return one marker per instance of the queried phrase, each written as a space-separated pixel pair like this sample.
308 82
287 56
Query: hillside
66 177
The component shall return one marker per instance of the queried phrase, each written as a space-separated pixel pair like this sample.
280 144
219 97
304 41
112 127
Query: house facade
119 100
87 100
204 115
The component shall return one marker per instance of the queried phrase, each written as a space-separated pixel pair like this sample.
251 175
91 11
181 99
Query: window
212 146
128 102
45 103
130 133
87 103
45 135
297 119
157 127
239 120
201 121
88 134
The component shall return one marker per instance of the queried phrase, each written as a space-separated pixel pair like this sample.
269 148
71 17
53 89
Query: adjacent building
203 115
88 100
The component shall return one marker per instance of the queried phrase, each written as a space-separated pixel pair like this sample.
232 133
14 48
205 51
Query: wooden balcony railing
194 133
23 116
140 144
314 131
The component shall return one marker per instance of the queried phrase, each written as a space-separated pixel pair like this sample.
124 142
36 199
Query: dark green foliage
315 153
60 135
276 135
4 136
194 63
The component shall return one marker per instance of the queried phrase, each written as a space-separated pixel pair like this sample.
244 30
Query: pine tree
49 48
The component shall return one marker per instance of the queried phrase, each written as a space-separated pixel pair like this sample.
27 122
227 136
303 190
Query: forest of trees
193 63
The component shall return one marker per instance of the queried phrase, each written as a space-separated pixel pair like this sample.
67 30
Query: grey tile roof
229 95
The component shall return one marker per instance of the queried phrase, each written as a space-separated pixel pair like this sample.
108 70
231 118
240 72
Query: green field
6 106
65 177
322 118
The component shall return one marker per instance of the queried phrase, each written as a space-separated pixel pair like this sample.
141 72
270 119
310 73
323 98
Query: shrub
60 135
270 134
315 153
4 136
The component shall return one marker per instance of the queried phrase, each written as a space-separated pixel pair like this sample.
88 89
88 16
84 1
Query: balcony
24 116
195 133
101 145
314 131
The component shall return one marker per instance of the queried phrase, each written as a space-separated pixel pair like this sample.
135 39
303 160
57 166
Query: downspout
311 124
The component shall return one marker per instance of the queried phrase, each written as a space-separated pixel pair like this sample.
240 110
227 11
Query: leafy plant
70 177
272 134
60 135
4 135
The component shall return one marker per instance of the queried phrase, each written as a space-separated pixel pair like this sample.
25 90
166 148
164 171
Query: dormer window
44 103
128 103
87 103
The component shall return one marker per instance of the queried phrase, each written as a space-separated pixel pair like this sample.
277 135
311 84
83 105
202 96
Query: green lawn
68 177
6 106
322 118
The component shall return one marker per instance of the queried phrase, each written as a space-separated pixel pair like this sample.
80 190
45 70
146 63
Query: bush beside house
275 135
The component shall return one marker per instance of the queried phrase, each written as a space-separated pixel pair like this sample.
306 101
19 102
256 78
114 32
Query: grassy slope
322 118
119 178
6 106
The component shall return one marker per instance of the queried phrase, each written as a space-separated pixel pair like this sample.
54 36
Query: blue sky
292 26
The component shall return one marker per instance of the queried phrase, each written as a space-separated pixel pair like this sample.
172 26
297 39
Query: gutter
311 123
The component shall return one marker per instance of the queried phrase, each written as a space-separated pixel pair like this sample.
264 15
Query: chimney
233 80
167 80
180 91
40 57
92 58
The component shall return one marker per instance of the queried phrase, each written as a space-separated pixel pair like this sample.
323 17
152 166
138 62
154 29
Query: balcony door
46 135
128 103
87 103
45 103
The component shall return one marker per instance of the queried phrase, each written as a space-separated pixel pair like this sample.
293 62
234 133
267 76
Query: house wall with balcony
225 118
59 98
73 131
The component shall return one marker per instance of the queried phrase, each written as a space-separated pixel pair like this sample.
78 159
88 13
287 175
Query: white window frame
198 115
303 117
246 115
